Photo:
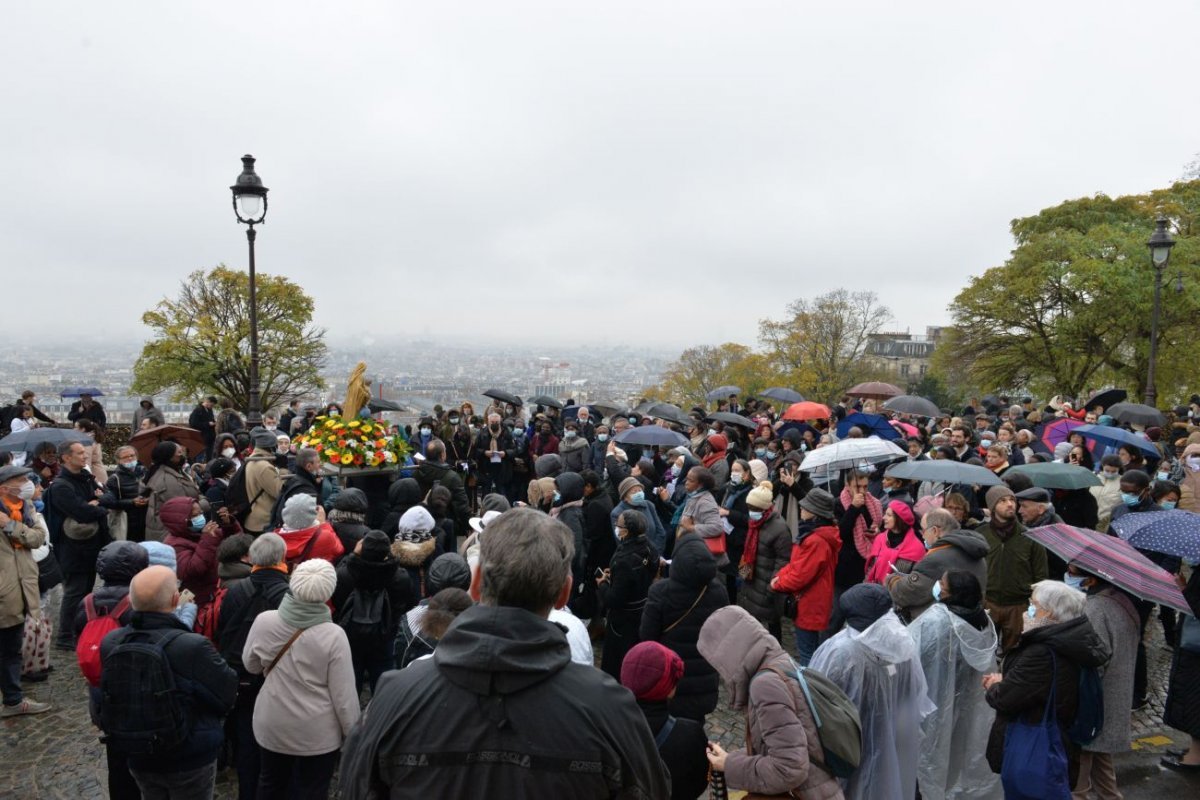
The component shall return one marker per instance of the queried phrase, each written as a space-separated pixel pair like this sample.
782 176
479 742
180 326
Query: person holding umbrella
87 408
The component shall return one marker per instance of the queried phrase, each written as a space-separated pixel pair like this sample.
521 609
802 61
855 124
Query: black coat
69 496
633 567
738 519
683 752
121 490
355 572
94 412
208 684
245 600
116 567
200 419
851 566
505 442
1077 507
774 552
303 482
431 474
1028 672
1182 709
682 603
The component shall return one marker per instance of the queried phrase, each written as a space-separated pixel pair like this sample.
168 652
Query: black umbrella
651 436
722 392
29 441
544 400
783 395
1136 414
943 470
605 407
503 397
911 404
1107 398
378 404
670 413
729 418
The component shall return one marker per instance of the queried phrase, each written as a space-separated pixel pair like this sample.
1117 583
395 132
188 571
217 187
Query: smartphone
599 572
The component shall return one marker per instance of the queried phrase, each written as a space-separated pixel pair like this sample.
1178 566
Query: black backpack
236 629
367 616
1089 719
142 711
237 500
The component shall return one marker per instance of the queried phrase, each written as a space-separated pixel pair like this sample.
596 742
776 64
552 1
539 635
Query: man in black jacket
75 495
435 471
500 704
203 420
245 600
207 687
87 408
494 454
305 480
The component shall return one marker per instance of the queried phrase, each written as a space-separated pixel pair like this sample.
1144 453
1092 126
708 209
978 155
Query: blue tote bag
1035 761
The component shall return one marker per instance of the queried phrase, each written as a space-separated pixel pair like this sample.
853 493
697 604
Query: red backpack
87 651
210 616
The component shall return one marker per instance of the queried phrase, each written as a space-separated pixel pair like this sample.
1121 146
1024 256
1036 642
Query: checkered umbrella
1112 559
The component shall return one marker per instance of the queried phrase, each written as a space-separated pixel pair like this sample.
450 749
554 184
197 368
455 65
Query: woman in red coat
809 573
195 539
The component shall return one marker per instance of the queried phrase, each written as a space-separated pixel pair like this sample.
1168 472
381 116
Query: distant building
905 356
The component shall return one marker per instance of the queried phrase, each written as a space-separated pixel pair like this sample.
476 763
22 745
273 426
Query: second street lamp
1160 245
250 208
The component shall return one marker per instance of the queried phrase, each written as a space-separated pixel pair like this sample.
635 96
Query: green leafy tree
701 369
821 348
201 340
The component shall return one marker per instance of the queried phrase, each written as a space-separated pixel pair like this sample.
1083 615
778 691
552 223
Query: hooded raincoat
879 669
955 657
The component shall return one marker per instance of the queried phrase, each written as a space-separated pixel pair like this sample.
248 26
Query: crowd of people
534 603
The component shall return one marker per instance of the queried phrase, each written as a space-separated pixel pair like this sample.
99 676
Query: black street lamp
1160 245
250 208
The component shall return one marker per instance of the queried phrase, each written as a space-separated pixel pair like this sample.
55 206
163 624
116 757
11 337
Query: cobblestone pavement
57 754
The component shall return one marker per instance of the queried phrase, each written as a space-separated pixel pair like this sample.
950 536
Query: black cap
1034 494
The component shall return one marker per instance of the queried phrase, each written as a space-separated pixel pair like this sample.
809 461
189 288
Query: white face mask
229 452
129 465
27 490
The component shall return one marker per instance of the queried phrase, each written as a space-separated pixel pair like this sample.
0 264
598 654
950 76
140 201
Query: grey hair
1061 601
941 519
267 550
524 560
306 456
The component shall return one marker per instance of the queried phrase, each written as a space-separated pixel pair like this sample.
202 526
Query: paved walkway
57 754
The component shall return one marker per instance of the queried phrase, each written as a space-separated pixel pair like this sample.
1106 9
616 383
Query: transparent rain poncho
955 657
879 670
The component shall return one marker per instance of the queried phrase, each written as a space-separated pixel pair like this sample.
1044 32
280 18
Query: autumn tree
701 369
201 340
821 348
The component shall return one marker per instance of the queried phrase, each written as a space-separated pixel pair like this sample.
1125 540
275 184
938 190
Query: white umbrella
851 453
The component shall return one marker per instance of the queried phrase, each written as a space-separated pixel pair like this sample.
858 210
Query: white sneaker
24 707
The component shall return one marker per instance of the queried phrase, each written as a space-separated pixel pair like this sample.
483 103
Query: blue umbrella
1115 437
80 391
869 424
1175 533
652 436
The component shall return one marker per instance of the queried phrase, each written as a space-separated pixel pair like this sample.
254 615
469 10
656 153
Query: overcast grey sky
655 172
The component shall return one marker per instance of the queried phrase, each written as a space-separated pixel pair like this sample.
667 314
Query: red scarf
750 553
713 457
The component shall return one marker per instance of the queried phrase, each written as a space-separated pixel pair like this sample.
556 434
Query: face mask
1031 612
1194 463
229 452
557 498
985 443
570 434
1110 476
198 522
1075 582
27 490
616 532
735 478
1168 505
39 505
756 515
426 431
637 498
633 420
1162 476
770 456
601 437
937 591
454 420
760 451
1130 499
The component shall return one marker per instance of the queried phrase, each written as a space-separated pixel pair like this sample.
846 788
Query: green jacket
1014 564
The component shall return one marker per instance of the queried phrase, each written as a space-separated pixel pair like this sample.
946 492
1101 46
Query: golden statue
358 393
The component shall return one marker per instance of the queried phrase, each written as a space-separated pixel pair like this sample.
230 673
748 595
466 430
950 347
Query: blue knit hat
160 554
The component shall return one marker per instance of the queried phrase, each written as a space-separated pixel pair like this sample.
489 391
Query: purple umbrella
1057 431
1112 559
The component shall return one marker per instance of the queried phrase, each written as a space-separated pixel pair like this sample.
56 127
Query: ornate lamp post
250 208
1160 245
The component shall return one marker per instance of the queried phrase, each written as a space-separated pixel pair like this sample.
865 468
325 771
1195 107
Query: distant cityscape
416 375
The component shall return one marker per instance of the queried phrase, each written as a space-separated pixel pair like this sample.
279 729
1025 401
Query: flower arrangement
354 443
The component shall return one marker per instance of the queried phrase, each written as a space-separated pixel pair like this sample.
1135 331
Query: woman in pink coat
897 547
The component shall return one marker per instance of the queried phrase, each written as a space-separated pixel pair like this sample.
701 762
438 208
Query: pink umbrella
905 428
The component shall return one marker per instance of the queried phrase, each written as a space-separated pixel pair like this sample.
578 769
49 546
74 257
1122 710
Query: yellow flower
329 423
355 423
334 455
347 458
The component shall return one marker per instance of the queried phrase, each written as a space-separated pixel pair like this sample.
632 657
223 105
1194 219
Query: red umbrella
876 389
1114 560
800 412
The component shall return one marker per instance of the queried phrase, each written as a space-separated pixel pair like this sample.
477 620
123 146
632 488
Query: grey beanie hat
300 511
819 502
264 439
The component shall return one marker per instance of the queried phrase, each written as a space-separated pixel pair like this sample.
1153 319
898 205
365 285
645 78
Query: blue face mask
1075 582
557 498
1168 505
637 498
756 515
1130 499
39 505
937 591
1031 612
770 455
601 437
1163 476
198 522
760 451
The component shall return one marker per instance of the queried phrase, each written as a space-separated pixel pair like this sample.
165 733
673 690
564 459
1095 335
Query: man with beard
495 450
1014 564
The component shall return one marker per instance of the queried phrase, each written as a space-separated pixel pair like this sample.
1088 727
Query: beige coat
308 703
1189 487
264 482
96 463
19 573
164 484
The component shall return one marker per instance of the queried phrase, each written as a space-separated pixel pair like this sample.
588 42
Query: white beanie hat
313 581
416 524
759 469
300 512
